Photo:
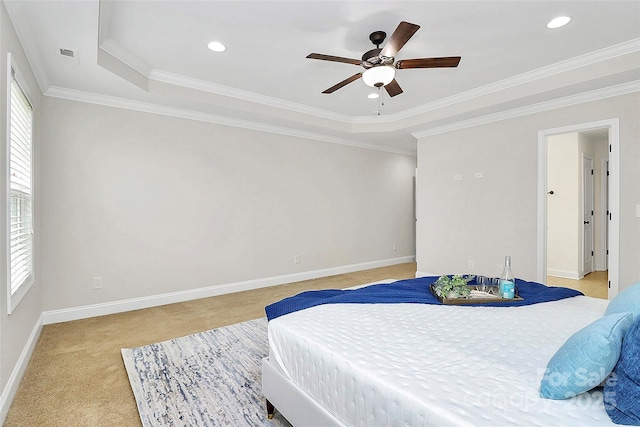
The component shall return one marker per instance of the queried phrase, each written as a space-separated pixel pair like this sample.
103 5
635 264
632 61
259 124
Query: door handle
586 222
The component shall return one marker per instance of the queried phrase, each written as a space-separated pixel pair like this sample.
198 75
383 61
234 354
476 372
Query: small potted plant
452 286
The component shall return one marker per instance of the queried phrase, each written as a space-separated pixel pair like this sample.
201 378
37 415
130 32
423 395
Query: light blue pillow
586 358
627 301
622 388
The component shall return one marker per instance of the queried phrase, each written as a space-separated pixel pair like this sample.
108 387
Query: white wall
156 204
485 219
18 330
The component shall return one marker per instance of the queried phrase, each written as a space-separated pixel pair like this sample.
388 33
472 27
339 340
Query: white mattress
418 364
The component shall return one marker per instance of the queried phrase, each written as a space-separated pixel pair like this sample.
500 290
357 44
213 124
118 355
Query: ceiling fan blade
400 36
343 83
450 61
334 58
393 88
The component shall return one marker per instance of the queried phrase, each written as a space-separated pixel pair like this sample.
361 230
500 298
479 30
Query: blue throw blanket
408 291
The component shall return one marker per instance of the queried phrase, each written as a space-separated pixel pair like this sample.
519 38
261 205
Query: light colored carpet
76 376
211 378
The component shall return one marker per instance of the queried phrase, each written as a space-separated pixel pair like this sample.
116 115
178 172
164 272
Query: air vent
68 55
67 52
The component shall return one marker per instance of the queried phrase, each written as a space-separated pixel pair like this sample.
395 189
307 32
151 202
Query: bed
409 364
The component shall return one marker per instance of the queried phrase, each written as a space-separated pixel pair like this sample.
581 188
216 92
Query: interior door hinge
591 253
609 284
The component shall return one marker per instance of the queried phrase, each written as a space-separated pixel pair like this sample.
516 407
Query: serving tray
474 300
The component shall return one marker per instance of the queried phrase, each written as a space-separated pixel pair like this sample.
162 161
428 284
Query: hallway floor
594 284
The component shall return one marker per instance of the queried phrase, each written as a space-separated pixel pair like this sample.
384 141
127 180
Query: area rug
211 378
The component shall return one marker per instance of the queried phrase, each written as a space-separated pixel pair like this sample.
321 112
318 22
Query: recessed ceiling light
217 47
558 22
373 95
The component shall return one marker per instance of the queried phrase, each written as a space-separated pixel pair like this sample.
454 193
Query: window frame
14 296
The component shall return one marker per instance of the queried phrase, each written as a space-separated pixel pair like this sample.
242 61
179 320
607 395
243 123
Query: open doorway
578 188
574 210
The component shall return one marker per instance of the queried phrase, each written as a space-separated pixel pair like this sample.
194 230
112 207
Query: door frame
613 126
604 206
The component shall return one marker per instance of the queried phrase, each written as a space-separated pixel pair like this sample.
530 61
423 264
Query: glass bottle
507 280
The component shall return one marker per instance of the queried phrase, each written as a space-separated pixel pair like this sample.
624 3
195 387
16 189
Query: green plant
452 286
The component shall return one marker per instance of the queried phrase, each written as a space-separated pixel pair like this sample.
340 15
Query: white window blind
20 189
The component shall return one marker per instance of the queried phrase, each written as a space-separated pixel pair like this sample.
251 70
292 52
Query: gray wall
486 219
23 322
155 204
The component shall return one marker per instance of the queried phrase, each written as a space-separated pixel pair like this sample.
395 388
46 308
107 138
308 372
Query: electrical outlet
472 264
97 283
394 247
499 268
457 177
296 259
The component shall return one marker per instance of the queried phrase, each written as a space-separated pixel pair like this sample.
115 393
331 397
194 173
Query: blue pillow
586 358
627 301
622 389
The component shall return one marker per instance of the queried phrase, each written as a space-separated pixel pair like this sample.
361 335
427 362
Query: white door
587 223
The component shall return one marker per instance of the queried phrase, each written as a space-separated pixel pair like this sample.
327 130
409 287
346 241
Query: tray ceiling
154 55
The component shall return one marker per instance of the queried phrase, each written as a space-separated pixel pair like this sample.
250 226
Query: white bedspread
418 365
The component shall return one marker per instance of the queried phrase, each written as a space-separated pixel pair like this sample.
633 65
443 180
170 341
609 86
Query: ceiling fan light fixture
380 75
373 95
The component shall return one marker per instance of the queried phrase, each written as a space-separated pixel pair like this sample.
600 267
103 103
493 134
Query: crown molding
178 80
590 58
109 47
587 59
120 54
244 95
147 107
567 101
111 101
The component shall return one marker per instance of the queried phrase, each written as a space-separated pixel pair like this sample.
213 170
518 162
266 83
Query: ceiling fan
379 62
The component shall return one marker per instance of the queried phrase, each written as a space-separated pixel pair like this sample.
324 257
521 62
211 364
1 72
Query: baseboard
11 388
565 274
84 312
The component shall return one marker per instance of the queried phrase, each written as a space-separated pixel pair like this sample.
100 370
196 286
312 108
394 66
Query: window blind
20 188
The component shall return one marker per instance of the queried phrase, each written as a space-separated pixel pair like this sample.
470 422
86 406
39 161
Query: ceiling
153 56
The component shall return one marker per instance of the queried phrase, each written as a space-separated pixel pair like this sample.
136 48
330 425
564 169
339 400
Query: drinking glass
483 283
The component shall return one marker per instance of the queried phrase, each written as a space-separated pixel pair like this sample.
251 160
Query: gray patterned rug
212 378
